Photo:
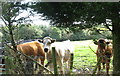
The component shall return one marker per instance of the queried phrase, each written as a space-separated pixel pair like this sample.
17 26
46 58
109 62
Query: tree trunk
116 45
12 38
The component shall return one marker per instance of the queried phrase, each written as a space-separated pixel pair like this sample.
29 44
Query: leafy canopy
77 14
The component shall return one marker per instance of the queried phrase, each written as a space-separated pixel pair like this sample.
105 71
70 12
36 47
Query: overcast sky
36 19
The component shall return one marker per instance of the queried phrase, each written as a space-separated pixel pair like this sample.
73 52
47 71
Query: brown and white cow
63 50
33 48
104 53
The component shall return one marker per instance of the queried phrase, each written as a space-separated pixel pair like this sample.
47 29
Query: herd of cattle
42 49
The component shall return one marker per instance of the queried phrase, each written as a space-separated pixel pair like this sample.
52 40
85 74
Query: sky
36 19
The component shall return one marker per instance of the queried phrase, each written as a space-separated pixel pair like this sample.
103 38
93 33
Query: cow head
47 41
102 42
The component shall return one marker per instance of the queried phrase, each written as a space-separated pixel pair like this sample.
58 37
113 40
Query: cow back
31 48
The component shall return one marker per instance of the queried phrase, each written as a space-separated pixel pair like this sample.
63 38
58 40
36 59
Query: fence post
71 61
54 60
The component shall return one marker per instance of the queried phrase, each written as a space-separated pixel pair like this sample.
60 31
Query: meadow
84 57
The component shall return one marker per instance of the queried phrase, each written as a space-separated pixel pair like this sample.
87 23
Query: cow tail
71 61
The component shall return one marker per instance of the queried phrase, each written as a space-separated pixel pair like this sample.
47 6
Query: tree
59 13
10 12
88 15
1 35
31 32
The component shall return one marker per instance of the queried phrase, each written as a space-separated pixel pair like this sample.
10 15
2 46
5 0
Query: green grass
84 57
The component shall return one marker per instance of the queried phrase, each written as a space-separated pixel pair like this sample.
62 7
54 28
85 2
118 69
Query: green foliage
30 32
60 13
38 31
10 10
55 33
65 14
13 62
1 35
5 34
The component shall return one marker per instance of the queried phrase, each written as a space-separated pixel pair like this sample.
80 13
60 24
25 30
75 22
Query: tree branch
4 20
4 30
92 49
31 59
107 26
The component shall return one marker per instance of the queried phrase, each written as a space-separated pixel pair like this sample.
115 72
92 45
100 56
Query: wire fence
87 65
82 64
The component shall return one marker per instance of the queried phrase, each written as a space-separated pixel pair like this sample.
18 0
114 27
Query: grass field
84 57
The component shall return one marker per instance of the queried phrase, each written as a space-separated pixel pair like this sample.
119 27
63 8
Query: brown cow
103 53
33 48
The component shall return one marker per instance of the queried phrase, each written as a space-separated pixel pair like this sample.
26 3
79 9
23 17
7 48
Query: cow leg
51 67
99 67
39 59
103 62
107 65
42 60
61 66
103 65
68 66
99 64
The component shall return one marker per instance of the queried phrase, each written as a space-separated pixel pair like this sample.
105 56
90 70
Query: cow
64 50
103 53
33 48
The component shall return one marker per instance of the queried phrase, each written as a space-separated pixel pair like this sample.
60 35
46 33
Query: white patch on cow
63 52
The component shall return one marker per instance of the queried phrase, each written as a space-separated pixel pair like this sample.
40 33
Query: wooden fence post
71 61
54 60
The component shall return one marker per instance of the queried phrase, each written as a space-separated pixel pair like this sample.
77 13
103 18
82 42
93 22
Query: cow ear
40 40
95 42
53 40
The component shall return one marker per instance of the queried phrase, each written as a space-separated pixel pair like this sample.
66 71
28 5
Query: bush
60 34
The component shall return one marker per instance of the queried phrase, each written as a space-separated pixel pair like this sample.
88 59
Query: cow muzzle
46 49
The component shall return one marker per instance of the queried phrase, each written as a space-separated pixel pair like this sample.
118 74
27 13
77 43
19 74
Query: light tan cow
63 50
